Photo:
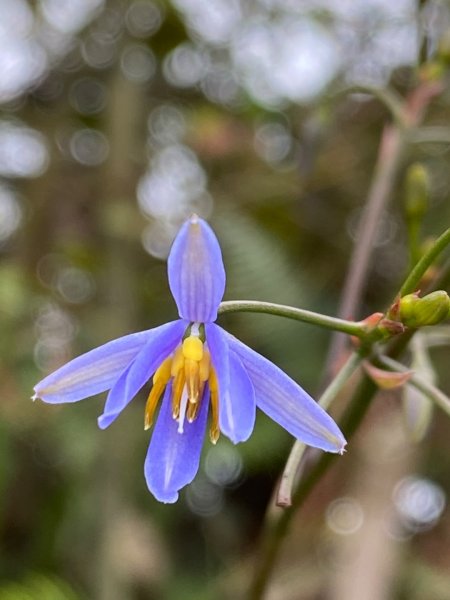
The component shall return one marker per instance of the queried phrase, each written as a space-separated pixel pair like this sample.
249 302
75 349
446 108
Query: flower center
190 369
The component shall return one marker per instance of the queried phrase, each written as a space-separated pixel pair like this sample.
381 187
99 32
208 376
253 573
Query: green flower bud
416 191
429 310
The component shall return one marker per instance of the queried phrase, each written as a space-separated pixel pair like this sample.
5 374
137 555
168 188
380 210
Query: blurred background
119 119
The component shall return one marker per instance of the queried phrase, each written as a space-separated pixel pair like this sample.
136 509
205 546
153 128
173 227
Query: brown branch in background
386 170
126 109
380 191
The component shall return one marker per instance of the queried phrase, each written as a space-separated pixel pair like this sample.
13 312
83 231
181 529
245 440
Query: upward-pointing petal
287 403
93 372
196 271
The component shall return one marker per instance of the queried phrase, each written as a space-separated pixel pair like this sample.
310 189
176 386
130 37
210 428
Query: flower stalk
299 314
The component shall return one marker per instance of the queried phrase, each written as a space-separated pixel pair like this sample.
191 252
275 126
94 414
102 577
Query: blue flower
200 371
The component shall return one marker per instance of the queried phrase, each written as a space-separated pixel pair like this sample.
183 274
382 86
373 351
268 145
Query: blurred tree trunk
123 120
368 559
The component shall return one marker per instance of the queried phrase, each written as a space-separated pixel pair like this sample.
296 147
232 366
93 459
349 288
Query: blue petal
237 405
161 342
196 272
173 458
93 372
287 403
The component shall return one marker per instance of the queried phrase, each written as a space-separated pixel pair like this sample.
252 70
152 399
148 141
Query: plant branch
427 388
277 528
413 280
284 496
299 314
388 162
434 134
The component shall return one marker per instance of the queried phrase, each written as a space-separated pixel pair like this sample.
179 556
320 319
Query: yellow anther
177 391
177 361
204 366
152 403
214 429
163 372
213 383
160 379
193 348
192 411
191 370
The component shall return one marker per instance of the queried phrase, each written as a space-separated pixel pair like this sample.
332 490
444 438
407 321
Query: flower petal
237 405
196 271
287 403
93 372
173 458
161 342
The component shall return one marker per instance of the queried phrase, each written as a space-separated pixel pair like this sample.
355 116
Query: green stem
413 280
277 529
287 479
431 135
387 96
298 314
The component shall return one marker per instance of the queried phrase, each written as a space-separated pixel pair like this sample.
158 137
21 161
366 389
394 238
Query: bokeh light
174 187
23 151
138 63
69 16
223 465
419 502
88 96
89 147
54 330
143 18
344 516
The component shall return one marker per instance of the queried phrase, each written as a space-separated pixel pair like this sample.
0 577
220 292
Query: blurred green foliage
283 177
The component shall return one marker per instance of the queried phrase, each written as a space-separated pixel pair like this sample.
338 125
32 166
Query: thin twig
427 388
388 162
380 190
284 496
413 280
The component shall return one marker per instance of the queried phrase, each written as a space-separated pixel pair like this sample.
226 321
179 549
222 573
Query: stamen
183 406
160 380
192 411
177 391
193 407
191 370
204 366
214 430
177 361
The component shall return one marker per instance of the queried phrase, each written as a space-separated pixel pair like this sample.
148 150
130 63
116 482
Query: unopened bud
429 310
416 191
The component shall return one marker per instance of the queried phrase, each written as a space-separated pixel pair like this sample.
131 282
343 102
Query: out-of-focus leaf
417 407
